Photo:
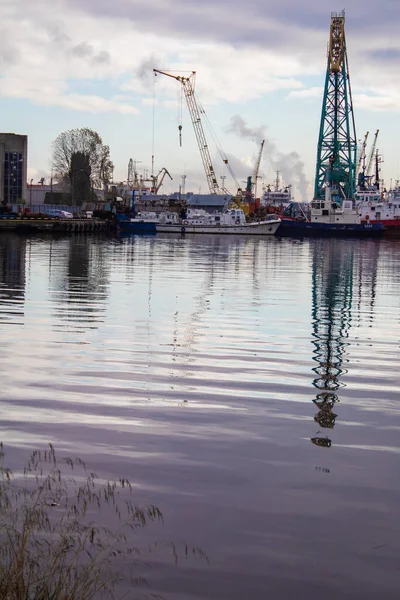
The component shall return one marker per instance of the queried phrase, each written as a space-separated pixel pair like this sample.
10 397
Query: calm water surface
248 387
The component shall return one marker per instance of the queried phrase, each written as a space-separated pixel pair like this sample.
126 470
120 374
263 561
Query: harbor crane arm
158 183
188 84
257 167
368 171
361 158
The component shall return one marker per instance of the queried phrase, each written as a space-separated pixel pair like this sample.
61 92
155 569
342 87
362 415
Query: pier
27 224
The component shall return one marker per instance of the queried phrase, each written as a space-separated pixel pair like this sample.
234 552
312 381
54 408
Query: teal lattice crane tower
337 142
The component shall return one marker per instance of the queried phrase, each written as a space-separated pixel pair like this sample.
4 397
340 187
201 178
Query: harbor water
247 387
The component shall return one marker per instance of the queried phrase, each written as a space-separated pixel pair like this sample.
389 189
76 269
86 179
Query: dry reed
50 546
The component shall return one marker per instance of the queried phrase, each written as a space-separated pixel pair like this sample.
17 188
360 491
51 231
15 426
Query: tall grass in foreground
50 546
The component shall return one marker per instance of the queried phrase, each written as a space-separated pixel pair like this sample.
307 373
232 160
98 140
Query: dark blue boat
129 224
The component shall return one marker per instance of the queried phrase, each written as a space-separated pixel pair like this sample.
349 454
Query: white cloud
81 48
377 103
53 93
97 56
117 52
313 92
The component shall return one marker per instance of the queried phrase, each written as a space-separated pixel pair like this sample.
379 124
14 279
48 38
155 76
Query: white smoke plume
289 165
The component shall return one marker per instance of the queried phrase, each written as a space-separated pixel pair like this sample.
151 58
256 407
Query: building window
13 172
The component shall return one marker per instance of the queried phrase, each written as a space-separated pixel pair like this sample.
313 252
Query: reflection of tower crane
332 296
368 170
337 143
157 180
362 156
195 110
340 275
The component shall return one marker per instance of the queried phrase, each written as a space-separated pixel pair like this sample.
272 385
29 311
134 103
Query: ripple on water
201 369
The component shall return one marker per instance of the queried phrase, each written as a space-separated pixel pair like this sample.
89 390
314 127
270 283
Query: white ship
232 222
277 198
374 207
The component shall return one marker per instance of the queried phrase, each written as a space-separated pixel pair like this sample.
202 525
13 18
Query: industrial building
13 168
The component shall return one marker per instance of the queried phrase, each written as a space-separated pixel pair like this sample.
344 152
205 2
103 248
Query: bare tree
81 154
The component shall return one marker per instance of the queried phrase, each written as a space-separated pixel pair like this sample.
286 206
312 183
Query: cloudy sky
260 72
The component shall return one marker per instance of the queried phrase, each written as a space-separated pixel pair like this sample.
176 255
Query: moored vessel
230 222
331 216
374 208
277 199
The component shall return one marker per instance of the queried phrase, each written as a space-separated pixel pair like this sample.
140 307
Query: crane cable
179 113
216 142
154 122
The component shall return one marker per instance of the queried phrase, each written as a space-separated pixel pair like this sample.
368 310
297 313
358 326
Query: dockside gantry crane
337 142
368 170
257 169
251 187
362 156
158 181
195 110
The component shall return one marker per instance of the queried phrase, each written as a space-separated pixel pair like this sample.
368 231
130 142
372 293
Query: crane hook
180 135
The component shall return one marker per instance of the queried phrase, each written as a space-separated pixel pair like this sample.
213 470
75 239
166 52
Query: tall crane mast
362 156
188 85
195 110
130 177
368 170
257 168
337 142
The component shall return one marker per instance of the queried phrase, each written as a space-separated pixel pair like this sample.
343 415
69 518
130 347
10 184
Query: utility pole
183 184
30 195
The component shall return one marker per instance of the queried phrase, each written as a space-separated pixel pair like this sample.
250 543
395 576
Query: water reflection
13 250
193 387
78 280
338 269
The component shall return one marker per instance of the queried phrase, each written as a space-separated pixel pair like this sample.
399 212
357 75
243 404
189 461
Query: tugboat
331 216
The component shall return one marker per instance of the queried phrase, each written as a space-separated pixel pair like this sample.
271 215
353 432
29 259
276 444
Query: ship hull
258 228
305 228
136 226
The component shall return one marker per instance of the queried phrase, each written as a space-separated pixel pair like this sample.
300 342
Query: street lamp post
30 195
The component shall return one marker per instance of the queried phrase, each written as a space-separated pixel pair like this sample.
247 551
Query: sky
260 69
